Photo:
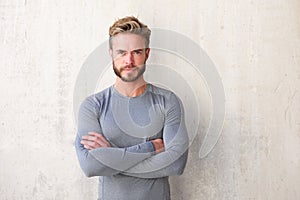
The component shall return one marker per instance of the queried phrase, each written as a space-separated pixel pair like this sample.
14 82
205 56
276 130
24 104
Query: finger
102 143
95 142
96 137
88 147
100 139
94 133
103 140
88 137
85 145
90 144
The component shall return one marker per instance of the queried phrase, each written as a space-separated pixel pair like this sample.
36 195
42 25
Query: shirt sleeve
105 161
173 160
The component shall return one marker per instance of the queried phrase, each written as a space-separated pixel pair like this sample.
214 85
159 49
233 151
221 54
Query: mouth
128 68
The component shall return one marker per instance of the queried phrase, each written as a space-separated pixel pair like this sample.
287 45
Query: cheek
140 59
118 61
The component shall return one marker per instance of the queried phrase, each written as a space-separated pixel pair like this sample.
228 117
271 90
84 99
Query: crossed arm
96 140
145 160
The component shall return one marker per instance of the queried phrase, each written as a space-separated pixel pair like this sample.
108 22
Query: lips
128 68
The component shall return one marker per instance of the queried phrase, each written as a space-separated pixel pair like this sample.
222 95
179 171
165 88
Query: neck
130 89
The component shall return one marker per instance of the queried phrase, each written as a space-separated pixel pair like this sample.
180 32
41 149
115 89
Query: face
129 56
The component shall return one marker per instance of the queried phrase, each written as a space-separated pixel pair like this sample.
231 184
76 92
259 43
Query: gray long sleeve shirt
130 169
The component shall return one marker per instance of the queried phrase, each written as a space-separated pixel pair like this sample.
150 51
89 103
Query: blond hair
130 24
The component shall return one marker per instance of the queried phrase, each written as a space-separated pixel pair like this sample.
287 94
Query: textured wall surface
255 45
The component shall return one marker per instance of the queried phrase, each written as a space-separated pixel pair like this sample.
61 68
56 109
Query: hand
94 140
159 145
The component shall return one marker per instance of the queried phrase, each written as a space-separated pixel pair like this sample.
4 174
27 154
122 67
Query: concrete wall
254 44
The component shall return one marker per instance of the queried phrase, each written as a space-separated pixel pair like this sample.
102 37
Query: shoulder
172 105
97 99
168 95
160 91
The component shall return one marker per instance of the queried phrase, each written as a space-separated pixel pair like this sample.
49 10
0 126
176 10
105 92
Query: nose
128 59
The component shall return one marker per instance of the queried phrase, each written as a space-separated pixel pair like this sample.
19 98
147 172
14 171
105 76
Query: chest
127 122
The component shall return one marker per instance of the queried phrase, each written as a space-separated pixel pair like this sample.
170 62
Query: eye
138 52
121 52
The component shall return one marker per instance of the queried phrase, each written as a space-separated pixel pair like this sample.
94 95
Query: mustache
127 66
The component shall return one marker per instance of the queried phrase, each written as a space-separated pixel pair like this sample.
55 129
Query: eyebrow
121 50
138 49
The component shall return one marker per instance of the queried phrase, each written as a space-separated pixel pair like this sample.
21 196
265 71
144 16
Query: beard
131 76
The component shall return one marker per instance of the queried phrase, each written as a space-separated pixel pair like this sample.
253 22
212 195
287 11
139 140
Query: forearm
111 161
175 168
170 162
89 165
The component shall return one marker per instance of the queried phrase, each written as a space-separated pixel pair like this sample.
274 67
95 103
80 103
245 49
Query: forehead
127 41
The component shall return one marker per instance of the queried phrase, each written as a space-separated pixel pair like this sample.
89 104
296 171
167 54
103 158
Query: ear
147 53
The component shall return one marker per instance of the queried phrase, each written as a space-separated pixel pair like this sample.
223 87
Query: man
132 134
